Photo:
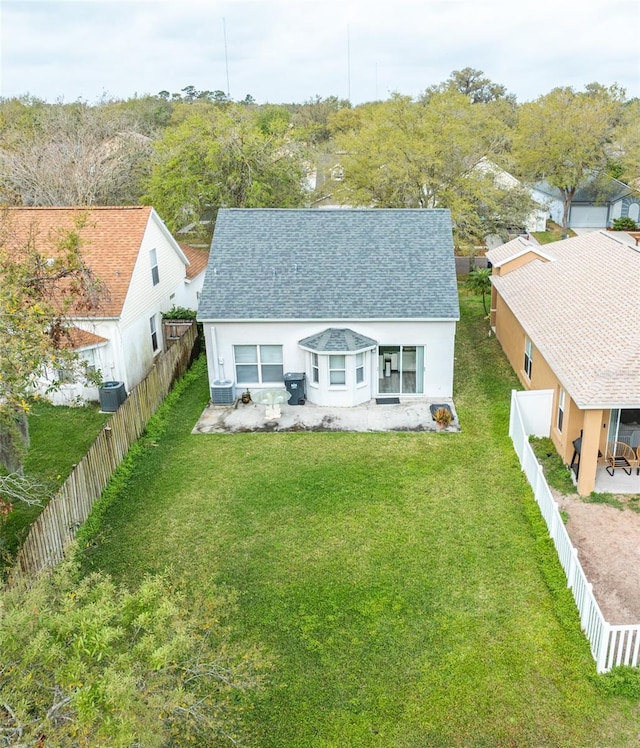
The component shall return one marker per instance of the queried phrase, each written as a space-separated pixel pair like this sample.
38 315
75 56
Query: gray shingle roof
330 264
337 339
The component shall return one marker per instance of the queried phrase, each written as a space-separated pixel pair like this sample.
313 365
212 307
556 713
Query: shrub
179 312
624 224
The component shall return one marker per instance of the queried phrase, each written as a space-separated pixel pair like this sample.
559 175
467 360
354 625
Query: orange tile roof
111 240
198 259
78 338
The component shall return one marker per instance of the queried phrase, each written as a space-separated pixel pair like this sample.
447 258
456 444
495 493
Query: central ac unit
223 393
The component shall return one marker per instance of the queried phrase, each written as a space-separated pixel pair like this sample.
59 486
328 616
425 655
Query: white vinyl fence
610 644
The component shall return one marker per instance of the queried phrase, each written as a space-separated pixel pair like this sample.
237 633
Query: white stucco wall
437 338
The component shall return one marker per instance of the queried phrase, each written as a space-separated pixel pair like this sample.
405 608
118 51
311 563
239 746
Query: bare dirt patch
608 543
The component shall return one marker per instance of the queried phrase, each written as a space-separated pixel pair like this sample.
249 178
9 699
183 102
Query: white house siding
105 356
436 337
144 300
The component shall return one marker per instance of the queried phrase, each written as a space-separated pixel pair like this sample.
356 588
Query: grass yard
554 233
402 583
60 436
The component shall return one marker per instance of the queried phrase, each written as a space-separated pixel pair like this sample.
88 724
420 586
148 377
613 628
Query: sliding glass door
401 369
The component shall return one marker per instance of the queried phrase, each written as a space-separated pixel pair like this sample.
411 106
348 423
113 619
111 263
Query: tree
231 156
73 155
472 83
402 154
42 281
479 282
562 138
312 118
86 662
626 143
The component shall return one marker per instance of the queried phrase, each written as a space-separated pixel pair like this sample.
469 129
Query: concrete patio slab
408 415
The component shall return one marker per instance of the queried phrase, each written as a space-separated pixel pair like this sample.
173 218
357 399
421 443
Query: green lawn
554 233
402 583
60 436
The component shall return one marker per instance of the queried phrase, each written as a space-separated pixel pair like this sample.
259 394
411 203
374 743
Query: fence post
511 413
571 572
587 604
603 648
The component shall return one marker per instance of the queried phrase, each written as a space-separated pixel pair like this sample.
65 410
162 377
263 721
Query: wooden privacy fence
610 644
57 525
174 329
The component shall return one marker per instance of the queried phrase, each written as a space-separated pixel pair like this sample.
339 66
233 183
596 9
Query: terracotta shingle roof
198 259
78 338
581 311
111 241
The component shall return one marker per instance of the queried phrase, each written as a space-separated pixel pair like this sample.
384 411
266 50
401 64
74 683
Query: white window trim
561 411
528 358
315 370
343 368
155 271
155 338
364 382
258 363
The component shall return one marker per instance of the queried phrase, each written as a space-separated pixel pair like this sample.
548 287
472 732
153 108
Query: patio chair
620 455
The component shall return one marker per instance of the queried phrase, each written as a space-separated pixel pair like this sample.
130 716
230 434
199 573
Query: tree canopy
42 279
230 156
86 662
404 154
72 155
562 138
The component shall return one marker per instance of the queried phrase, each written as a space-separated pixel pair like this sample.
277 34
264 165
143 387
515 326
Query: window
154 333
258 364
337 370
359 368
315 368
155 274
65 376
528 357
560 409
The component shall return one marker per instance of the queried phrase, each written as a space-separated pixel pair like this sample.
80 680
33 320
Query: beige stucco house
567 315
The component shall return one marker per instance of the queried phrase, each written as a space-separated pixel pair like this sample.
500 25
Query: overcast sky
292 50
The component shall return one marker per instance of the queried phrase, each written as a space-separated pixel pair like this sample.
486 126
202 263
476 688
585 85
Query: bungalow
596 204
565 315
144 273
355 303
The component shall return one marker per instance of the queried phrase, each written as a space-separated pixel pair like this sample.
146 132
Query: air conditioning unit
223 393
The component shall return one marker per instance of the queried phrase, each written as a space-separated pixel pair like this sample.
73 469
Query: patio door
624 426
400 369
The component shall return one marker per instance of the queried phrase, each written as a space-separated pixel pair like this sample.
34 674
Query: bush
624 224
179 312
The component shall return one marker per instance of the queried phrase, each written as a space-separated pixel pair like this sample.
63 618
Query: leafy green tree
230 156
403 154
313 117
39 286
86 662
472 83
626 145
563 136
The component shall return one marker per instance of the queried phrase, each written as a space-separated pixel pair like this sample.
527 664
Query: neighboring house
595 205
144 272
364 303
537 219
565 315
194 278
